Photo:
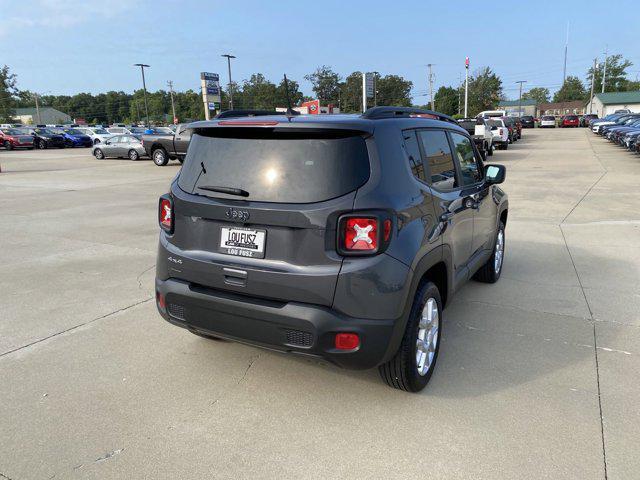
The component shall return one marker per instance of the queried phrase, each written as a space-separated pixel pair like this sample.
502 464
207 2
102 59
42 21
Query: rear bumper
290 327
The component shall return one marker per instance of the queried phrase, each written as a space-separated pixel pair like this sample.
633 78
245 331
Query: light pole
229 57
466 86
520 97
144 87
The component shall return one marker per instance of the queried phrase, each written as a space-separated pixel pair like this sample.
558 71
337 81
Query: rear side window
413 152
438 159
275 166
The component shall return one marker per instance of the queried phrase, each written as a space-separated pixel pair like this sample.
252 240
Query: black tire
8 145
490 151
401 371
181 160
490 272
133 155
42 145
207 336
98 153
160 157
505 145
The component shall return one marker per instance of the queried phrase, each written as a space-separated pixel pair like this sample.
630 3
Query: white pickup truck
500 132
480 132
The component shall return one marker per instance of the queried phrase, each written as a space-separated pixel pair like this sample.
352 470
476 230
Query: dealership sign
211 93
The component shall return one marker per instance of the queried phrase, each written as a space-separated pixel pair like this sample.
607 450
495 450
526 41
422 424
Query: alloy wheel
428 335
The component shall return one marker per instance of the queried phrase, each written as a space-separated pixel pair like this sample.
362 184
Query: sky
67 47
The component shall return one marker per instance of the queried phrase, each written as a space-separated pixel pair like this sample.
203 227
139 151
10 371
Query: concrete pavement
537 376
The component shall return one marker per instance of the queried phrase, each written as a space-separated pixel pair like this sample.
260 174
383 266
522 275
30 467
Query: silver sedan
119 146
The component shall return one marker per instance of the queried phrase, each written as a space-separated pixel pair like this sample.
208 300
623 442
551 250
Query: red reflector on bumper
347 341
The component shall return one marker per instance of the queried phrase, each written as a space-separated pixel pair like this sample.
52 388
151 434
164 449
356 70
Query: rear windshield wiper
228 190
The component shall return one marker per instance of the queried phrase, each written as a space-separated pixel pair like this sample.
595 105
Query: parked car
518 123
569 121
527 121
119 146
268 236
630 139
500 133
548 121
510 123
74 137
47 138
97 134
11 138
162 148
481 133
585 119
116 130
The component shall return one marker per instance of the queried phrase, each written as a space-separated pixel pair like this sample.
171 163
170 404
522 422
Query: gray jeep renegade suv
339 236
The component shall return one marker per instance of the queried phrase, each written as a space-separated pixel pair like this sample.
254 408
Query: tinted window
283 167
413 152
438 159
469 169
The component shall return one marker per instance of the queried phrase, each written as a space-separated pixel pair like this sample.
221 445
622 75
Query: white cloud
56 14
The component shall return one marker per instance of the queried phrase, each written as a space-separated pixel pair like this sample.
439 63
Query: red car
12 138
570 121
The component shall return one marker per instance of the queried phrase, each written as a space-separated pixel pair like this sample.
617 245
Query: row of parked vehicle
623 129
494 129
566 121
116 141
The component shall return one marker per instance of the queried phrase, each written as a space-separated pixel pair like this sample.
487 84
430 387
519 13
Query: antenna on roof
286 88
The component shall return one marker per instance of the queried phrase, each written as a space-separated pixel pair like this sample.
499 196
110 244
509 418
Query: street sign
369 84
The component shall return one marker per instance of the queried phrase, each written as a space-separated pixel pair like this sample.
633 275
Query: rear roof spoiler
249 113
379 113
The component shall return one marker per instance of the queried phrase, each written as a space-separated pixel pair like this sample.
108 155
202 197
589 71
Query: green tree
485 90
295 95
326 85
8 91
394 90
351 93
616 80
572 89
539 94
259 93
447 100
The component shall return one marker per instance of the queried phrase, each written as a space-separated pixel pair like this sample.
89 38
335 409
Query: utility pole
520 97
466 86
593 81
566 47
37 109
604 73
144 86
229 57
173 106
431 86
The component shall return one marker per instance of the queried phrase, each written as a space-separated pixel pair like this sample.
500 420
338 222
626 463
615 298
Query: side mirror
107 142
494 174
494 128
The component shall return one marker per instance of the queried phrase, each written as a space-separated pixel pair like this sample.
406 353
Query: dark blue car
75 138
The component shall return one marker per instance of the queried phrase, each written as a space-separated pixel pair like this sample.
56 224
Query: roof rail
377 113
248 113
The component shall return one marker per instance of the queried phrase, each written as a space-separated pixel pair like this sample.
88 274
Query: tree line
258 92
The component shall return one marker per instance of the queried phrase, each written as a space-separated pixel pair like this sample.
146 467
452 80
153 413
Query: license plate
243 242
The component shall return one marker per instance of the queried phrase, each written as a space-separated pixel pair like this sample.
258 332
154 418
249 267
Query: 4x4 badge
233 214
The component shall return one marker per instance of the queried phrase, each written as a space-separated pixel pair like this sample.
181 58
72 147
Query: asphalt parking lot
537 376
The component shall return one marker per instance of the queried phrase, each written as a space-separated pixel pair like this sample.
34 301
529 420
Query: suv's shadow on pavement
499 336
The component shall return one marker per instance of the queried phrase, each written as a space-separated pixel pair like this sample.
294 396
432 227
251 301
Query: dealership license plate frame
255 249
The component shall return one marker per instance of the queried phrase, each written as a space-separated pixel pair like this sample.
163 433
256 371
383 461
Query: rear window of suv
279 167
